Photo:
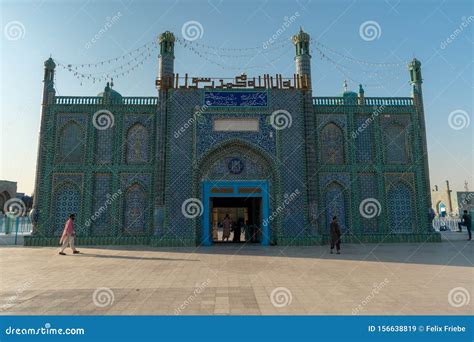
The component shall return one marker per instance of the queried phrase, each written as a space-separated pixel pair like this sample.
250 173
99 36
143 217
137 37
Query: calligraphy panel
235 99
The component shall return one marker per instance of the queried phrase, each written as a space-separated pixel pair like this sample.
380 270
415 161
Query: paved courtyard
370 279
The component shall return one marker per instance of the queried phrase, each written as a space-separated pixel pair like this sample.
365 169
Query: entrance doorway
244 214
246 203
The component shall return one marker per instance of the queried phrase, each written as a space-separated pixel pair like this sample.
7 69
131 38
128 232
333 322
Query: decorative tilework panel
67 200
137 144
252 166
104 145
102 205
396 144
75 178
364 140
207 138
135 210
332 144
340 177
400 210
335 205
368 189
71 143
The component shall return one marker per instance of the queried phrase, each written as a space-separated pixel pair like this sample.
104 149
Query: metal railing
13 227
368 101
99 100
443 223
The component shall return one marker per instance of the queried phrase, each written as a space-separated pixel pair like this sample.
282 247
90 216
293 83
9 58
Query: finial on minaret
345 86
466 186
111 82
415 71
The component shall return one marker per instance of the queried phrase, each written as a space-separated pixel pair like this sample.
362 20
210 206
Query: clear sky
32 30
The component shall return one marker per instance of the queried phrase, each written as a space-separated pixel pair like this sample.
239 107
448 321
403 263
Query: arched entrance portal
244 201
236 179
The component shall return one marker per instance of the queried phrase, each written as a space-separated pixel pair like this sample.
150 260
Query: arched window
67 200
137 144
4 197
396 144
335 204
135 206
332 144
400 210
71 143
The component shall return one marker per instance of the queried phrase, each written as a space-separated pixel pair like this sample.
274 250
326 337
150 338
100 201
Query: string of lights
134 58
283 41
112 73
233 67
369 73
130 55
344 71
355 60
218 53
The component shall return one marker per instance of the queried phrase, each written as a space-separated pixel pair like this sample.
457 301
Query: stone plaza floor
369 279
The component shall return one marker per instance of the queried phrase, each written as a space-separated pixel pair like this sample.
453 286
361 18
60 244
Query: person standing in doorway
238 230
466 221
68 236
335 231
226 223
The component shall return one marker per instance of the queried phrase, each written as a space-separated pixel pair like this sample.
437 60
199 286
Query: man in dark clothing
238 230
466 221
335 231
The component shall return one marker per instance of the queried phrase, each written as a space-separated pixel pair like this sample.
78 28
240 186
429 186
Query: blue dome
112 94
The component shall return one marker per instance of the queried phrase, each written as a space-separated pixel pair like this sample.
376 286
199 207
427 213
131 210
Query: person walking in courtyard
226 223
335 231
466 221
67 238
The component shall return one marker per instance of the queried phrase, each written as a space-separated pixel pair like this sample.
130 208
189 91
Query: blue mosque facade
164 170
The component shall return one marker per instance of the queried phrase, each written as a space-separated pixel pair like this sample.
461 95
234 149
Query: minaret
416 80
48 98
48 80
165 76
166 59
361 95
302 58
